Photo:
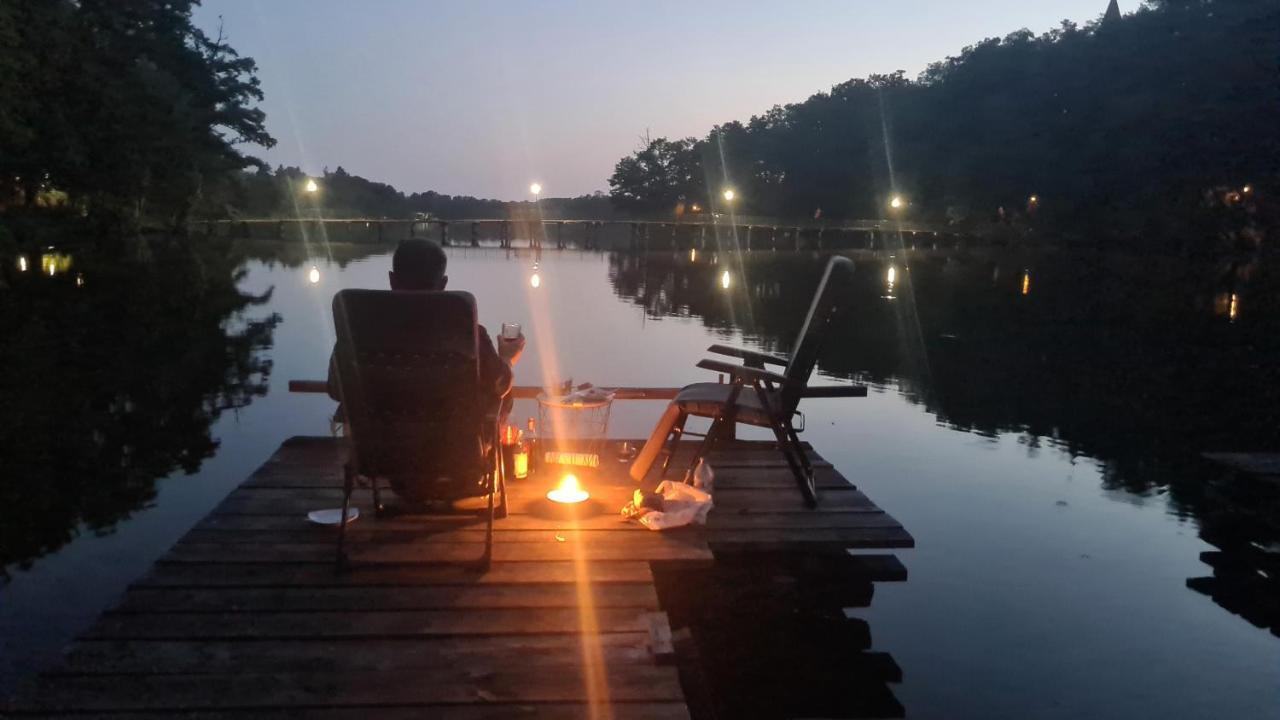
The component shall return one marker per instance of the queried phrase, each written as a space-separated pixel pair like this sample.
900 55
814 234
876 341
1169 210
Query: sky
481 97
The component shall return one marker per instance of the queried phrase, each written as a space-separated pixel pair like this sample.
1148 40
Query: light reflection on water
1037 450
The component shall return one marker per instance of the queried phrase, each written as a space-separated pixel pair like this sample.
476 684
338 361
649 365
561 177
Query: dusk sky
480 97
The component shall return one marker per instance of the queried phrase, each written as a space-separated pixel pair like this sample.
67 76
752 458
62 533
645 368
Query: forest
1152 123
1156 123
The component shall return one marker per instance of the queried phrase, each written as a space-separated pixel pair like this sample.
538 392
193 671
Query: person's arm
495 371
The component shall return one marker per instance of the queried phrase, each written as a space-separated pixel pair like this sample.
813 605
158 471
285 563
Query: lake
1035 421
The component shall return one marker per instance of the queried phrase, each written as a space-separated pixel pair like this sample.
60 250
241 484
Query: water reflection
1121 358
110 386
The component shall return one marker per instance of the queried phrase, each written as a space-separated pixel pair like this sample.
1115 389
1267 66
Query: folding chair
409 374
754 395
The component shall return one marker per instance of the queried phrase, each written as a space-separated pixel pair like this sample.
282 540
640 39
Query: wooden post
444 234
560 235
475 233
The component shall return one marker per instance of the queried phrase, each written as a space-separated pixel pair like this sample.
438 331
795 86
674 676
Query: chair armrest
835 391
746 373
751 357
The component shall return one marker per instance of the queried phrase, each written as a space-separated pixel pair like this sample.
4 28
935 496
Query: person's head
418 265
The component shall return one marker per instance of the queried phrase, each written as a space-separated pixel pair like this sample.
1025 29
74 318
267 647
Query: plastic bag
681 505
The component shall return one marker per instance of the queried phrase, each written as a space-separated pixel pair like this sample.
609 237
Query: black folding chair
754 395
408 372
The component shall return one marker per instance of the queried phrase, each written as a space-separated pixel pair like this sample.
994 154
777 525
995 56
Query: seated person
419 265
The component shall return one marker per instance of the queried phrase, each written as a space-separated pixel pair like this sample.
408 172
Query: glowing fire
568 492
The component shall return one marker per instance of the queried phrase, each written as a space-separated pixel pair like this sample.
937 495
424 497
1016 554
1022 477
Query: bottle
533 448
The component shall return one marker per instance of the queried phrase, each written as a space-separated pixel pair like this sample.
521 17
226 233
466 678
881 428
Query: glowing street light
897 202
726 280
1247 189
729 194
311 185
314 275
22 263
891 276
1034 200
535 281
535 189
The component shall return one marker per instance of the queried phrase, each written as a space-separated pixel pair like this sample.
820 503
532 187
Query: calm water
1034 422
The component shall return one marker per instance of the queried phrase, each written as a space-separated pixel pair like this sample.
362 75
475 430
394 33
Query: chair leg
721 426
789 443
348 485
377 496
487 559
672 444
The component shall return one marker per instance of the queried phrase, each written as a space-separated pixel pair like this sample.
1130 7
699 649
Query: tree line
286 193
1129 125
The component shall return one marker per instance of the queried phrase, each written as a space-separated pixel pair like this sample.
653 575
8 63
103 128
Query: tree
1118 128
129 107
659 175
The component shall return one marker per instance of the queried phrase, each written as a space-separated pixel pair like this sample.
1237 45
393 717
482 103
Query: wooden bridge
638 235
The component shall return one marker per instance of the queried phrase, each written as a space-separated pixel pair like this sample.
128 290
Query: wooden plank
502 573
660 642
382 545
371 624
741 518
646 546
232 523
529 392
518 392
275 501
774 500
483 711
513 683
211 657
779 476
360 599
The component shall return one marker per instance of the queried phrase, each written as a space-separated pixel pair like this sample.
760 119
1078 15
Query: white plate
331 517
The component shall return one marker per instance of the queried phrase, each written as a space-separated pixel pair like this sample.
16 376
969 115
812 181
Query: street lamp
311 185
536 190
729 194
897 202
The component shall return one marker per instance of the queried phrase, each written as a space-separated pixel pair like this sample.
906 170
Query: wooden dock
246 616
